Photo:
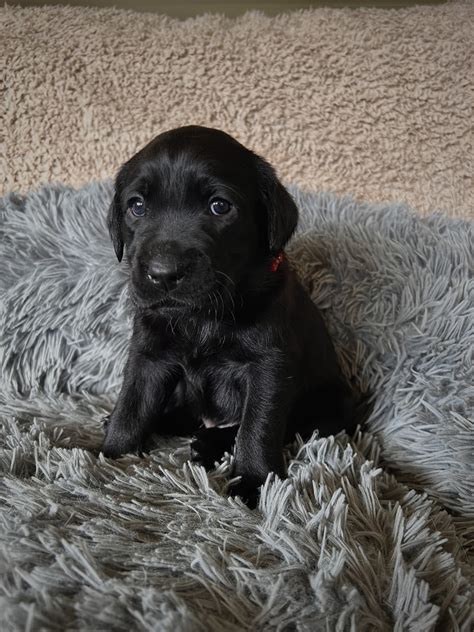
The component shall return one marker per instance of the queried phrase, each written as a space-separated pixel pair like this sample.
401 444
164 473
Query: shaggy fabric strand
155 543
369 102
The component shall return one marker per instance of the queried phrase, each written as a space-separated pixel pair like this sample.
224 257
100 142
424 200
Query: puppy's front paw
116 442
111 448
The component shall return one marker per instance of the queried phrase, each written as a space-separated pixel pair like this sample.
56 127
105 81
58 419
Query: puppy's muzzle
168 268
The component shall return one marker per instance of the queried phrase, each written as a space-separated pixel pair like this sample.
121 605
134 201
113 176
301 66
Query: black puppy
226 344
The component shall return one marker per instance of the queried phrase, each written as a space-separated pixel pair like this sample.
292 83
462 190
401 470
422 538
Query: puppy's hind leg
330 409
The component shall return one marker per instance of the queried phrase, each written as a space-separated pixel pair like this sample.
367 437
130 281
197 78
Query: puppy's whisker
214 304
221 301
219 295
224 286
176 322
236 293
219 304
226 276
231 299
232 306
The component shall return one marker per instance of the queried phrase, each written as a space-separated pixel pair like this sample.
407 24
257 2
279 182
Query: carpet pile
368 102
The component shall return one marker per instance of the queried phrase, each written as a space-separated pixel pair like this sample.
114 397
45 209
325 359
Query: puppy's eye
219 206
136 206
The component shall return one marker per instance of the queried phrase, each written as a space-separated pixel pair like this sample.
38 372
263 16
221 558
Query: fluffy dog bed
368 532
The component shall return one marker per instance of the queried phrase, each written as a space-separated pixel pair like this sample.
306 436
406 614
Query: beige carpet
370 102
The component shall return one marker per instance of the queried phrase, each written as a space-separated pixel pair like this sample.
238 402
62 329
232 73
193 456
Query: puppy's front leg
145 390
259 443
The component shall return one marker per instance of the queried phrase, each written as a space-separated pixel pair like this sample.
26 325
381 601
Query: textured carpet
367 533
367 102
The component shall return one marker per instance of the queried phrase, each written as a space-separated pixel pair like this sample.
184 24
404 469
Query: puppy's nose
164 273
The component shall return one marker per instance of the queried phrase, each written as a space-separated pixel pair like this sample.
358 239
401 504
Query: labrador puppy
226 344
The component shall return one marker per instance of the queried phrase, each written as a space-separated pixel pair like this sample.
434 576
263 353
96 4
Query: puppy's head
196 211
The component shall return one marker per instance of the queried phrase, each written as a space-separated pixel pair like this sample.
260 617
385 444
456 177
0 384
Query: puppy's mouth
159 300
190 294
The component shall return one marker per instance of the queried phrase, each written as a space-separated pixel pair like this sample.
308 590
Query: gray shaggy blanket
369 532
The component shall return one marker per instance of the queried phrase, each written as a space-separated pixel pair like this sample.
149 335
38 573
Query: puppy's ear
114 223
282 213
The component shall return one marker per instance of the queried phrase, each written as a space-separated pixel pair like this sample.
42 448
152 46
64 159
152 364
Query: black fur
218 336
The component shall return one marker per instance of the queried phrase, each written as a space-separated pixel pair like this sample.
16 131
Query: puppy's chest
214 389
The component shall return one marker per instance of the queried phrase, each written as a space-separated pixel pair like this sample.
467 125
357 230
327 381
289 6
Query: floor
187 8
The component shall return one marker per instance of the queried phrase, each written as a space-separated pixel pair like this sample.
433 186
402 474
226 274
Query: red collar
277 261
